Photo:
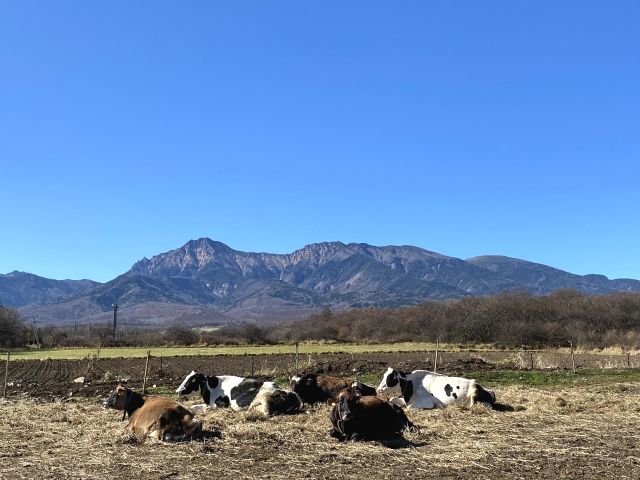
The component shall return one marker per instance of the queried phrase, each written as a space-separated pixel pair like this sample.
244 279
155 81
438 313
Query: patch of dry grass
590 433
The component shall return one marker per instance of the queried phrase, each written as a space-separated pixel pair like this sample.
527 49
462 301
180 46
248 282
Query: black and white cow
239 393
425 389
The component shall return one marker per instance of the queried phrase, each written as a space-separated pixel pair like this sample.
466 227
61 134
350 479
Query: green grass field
75 353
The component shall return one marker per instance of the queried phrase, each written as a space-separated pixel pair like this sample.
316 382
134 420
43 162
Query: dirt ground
51 379
576 432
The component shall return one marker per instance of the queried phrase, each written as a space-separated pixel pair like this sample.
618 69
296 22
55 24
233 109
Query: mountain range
207 282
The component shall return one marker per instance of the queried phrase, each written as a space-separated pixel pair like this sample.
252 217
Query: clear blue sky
468 128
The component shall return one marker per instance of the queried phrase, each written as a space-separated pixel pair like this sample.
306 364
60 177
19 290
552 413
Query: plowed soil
49 379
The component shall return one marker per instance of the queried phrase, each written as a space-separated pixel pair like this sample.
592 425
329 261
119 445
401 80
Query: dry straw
577 432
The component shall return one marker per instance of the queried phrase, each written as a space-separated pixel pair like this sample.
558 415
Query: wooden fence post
573 359
253 357
6 376
297 370
146 369
435 361
531 357
628 360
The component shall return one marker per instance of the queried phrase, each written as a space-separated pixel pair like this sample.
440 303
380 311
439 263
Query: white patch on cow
433 390
223 389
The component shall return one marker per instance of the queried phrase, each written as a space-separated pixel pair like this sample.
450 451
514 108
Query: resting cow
424 389
314 388
357 417
239 393
151 414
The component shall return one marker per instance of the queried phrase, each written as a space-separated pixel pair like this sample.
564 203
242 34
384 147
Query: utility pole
35 340
115 320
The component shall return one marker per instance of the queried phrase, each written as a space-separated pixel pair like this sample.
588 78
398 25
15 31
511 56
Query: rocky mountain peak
319 253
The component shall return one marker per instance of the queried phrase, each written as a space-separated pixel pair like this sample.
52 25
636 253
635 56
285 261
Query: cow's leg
199 407
337 435
399 401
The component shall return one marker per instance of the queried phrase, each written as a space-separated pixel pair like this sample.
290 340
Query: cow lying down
357 417
153 415
240 393
424 389
314 388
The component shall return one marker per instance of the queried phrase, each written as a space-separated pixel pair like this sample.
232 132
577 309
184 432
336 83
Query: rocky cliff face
208 279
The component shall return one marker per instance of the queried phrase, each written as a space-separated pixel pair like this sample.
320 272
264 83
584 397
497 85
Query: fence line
342 363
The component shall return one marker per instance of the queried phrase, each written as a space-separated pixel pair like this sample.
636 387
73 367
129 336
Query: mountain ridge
206 280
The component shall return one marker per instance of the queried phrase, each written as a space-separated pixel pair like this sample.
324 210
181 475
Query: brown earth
51 379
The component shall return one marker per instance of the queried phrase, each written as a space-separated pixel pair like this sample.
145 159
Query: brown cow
151 414
314 388
356 417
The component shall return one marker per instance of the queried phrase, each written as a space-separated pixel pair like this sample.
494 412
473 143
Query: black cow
357 417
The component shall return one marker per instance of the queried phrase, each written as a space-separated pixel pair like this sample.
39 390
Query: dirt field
52 379
577 432
580 426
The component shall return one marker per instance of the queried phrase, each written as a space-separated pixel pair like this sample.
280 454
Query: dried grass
591 433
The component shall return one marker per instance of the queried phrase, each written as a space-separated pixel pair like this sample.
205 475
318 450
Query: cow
314 388
364 389
424 389
357 417
240 393
160 417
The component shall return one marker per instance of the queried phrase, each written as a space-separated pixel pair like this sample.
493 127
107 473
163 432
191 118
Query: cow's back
156 414
443 389
372 418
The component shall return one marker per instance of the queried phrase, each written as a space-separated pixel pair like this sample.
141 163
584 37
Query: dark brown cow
314 388
357 417
151 414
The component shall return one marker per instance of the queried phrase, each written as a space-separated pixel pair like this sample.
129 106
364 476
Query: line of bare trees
508 319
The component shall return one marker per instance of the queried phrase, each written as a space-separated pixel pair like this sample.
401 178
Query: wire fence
64 376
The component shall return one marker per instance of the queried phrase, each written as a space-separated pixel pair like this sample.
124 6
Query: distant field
304 348
77 353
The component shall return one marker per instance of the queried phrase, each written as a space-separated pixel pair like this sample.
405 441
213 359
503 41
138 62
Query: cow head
347 403
118 398
191 383
390 380
363 388
293 381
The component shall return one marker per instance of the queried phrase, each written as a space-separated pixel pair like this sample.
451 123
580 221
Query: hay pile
582 432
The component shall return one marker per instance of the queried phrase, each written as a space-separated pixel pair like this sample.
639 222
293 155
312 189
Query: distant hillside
19 288
541 279
205 282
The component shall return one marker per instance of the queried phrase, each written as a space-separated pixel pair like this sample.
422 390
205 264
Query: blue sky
467 128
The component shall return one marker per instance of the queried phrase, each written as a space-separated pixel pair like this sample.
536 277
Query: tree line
509 319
